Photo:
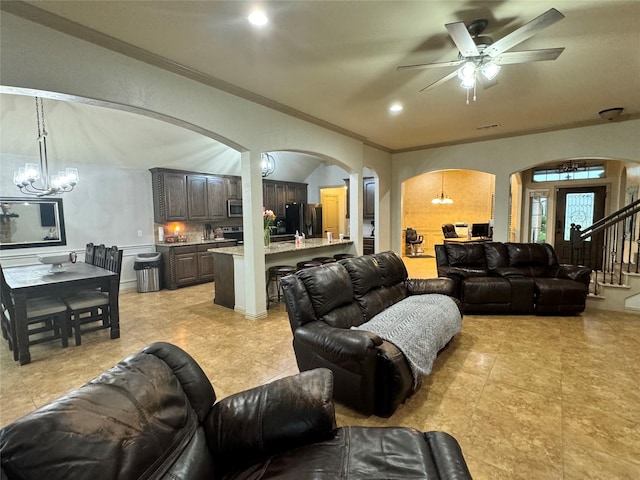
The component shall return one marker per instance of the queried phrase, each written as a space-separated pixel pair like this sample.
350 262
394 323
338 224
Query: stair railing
617 230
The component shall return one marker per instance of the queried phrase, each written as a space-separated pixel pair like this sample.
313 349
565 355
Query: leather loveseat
154 416
513 278
371 374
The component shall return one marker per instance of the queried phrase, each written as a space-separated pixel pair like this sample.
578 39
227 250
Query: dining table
31 281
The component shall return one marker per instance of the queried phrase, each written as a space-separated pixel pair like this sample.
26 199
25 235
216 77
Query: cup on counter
330 237
341 237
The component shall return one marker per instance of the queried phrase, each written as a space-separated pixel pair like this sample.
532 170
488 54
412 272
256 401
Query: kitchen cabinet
368 197
276 194
233 188
206 198
169 196
368 245
189 196
191 264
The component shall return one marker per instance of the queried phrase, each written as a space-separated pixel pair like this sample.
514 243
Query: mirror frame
62 240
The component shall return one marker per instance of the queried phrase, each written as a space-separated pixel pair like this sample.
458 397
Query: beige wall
471 192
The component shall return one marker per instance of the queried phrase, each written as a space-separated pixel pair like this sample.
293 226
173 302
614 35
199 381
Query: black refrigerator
294 217
304 218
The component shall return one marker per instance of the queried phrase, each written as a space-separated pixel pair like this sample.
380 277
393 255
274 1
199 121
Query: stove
234 233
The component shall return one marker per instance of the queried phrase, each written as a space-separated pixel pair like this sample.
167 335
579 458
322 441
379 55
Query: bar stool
324 260
341 256
308 264
275 274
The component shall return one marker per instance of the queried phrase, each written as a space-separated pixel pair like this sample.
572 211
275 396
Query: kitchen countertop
199 242
285 247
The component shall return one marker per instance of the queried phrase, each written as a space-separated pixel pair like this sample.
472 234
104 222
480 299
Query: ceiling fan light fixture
490 70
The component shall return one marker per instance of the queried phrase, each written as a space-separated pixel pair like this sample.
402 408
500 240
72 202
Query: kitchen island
229 262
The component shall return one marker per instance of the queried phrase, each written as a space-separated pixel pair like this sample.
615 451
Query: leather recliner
371 374
513 278
154 416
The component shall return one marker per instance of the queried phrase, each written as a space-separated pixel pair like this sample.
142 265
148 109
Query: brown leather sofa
371 374
154 416
513 278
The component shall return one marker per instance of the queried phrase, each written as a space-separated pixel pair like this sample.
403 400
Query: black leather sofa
513 278
153 416
371 374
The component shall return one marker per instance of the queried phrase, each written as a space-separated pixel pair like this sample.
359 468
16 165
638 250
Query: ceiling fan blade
545 20
526 56
461 37
441 81
453 63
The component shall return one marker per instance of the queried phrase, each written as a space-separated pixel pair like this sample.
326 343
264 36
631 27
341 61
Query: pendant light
442 199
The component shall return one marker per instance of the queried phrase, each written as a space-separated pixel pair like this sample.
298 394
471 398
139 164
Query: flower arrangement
267 217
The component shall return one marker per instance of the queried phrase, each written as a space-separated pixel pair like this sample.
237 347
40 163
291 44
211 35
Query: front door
582 206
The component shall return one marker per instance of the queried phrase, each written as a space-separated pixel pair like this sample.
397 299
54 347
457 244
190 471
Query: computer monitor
480 230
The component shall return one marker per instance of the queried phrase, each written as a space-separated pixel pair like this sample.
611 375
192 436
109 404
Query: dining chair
91 306
89 253
47 319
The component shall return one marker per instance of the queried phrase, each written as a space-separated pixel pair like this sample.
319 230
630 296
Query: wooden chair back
100 256
89 253
113 259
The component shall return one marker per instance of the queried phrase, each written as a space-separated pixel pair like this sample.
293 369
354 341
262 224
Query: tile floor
527 397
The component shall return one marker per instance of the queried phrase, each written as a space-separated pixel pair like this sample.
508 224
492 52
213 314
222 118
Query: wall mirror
27 223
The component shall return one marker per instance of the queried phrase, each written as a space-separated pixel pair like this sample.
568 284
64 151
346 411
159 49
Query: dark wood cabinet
169 196
369 198
188 196
185 265
276 194
368 246
206 197
205 264
233 188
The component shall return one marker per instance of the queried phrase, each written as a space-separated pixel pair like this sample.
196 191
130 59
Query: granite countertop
199 242
283 247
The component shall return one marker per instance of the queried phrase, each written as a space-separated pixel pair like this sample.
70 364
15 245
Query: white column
355 209
501 208
254 266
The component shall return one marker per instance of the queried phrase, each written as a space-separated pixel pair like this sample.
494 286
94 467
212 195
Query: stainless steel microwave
234 208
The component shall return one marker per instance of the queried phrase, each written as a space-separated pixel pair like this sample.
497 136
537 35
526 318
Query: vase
267 237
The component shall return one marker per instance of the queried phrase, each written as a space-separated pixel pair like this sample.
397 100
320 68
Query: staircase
615 281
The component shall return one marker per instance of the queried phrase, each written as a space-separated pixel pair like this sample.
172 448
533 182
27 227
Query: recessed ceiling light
396 108
258 18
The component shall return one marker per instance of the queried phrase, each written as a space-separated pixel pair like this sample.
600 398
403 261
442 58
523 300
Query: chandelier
442 199
26 178
268 164
571 166
470 71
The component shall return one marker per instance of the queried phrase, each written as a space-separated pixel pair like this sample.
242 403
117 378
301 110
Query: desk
467 240
35 280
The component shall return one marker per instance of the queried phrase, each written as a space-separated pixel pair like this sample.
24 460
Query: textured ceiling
336 61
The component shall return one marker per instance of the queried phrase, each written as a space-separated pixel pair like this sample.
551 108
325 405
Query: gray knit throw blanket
420 326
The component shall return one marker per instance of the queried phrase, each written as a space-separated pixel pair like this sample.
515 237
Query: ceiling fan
481 59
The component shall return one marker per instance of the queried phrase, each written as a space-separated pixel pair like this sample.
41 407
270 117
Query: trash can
147 267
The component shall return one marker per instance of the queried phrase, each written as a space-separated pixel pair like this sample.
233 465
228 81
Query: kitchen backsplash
194 231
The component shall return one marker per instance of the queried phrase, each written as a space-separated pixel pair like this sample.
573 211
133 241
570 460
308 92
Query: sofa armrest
579 273
340 346
462 272
421 286
250 426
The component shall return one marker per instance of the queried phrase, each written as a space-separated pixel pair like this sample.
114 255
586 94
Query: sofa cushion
329 287
485 289
559 291
392 268
364 273
527 254
496 254
466 254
